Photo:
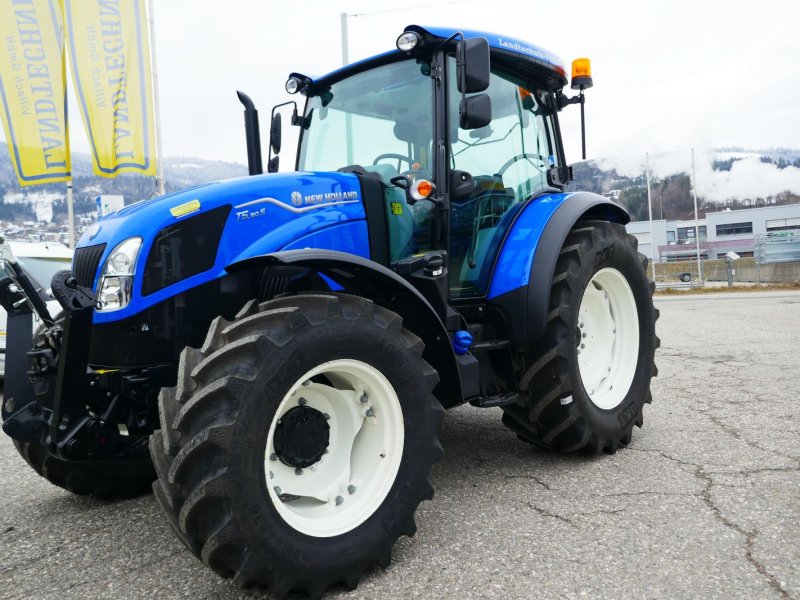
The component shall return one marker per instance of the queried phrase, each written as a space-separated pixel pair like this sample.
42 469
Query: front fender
366 278
523 273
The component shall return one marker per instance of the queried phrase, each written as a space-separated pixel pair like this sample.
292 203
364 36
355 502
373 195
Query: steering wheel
398 157
523 156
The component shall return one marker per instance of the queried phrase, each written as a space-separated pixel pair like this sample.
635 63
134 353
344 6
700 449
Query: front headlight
116 279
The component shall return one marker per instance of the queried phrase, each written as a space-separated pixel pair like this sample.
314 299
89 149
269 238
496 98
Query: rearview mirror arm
579 99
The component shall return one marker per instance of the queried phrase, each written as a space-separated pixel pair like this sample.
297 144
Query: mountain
671 195
180 172
761 178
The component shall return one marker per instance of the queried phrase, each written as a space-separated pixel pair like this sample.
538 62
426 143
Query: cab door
508 160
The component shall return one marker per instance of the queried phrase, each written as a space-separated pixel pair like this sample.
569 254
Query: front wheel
587 378
297 445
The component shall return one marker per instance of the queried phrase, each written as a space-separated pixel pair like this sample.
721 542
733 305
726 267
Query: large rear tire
298 442
587 378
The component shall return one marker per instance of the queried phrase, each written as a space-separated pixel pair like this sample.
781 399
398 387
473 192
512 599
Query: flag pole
70 215
153 54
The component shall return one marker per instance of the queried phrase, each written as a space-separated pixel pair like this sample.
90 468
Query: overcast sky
669 75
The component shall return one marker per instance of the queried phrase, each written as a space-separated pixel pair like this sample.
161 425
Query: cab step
493 401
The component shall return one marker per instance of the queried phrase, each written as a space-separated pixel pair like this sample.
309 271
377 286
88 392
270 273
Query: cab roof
517 56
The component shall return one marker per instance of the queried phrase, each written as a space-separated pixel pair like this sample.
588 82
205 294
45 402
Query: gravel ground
705 502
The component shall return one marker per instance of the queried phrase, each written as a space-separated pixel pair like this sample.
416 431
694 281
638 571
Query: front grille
85 263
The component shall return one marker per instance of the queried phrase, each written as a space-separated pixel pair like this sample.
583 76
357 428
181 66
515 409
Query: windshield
379 119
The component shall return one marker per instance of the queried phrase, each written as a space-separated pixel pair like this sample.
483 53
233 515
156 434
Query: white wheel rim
608 346
351 480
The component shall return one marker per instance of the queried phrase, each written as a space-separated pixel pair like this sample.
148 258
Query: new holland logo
297 198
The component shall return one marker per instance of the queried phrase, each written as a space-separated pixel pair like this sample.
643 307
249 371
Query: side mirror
472 64
475 111
275 133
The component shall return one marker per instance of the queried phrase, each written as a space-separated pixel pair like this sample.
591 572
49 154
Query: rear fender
520 285
366 278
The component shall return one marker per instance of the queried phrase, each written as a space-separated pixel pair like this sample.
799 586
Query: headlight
116 279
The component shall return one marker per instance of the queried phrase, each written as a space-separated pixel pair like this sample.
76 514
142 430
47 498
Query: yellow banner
110 59
33 90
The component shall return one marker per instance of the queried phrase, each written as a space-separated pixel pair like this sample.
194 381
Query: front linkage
78 413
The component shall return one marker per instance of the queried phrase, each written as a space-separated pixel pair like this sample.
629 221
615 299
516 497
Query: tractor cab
469 117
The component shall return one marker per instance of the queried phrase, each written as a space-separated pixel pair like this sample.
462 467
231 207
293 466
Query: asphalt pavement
705 503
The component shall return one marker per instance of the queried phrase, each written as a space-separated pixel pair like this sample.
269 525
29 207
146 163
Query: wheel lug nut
327 416
583 346
273 456
370 412
364 398
277 490
302 402
298 471
351 489
584 334
307 382
339 500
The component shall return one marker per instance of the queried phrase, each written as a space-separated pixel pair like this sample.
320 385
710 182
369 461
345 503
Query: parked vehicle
42 260
282 346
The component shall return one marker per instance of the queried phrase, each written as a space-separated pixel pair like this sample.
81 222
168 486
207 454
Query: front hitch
56 418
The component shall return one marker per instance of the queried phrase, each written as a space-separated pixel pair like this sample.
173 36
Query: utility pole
696 223
348 122
650 212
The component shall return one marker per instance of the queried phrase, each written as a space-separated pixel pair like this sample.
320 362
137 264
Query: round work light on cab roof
293 85
408 41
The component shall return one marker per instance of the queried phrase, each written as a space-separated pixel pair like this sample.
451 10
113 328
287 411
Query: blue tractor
273 354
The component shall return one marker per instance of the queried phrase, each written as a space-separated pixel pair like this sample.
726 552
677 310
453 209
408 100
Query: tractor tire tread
198 427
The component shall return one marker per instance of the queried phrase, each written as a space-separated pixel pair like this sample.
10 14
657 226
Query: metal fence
778 247
745 270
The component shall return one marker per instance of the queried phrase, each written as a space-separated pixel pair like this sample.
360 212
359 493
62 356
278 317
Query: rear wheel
297 445
587 378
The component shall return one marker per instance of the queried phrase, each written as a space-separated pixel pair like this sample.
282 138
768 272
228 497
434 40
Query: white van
42 260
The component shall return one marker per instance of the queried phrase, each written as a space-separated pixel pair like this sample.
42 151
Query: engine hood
265 213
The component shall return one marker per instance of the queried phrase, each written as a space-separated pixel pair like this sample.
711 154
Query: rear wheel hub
302 436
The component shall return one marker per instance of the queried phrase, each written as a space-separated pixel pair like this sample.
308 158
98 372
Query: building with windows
739 231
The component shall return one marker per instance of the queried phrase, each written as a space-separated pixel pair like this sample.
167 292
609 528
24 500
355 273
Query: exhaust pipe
252 133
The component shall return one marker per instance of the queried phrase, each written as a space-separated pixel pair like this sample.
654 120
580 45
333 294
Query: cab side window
508 160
